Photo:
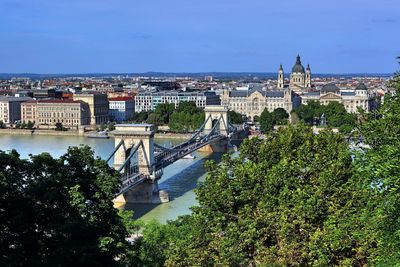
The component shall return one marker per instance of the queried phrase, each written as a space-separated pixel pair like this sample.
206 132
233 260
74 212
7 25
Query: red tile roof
120 98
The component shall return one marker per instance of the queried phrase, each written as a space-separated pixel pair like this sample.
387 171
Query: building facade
98 106
10 108
352 99
147 101
29 111
253 102
70 113
121 108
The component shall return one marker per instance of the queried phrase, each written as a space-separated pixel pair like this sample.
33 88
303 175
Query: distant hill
219 75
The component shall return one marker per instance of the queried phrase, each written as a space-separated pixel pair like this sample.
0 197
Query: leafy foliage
268 119
58 212
380 167
335 112
186 118
275 205
234 117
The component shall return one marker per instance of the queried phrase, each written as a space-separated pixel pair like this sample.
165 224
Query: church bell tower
281 79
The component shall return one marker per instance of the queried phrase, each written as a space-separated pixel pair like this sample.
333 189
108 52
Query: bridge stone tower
217 113
133 134
147 191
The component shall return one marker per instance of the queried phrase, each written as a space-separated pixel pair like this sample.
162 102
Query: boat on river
99 135
189 156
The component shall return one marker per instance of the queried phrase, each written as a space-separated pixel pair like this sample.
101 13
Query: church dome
298 67
361 86
330 88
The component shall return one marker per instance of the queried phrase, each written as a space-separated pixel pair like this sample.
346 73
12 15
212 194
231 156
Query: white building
352 99
121 108
147 101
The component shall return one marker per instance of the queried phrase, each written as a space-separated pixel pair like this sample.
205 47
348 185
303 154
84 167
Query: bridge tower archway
216 115
133 134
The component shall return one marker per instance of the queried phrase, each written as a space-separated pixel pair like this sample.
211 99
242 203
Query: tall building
98 106
146 101
121 108
10 108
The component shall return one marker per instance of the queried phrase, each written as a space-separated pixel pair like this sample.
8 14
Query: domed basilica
300 78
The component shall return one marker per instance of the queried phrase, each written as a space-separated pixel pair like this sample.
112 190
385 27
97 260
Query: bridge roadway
166 158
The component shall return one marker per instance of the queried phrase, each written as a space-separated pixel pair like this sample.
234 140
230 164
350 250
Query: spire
308 67
298 61
280 67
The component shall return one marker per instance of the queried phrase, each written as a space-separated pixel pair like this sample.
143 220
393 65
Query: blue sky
77 36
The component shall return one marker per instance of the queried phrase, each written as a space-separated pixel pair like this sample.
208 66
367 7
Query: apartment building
147 101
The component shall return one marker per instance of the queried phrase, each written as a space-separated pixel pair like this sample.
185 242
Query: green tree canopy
58 212
234 117
165 110
268 119
335 113
275 205
188 107
379 168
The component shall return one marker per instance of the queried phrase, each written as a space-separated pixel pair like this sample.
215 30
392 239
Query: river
179 179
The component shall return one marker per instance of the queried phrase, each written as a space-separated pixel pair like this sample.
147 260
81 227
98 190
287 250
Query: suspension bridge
140 162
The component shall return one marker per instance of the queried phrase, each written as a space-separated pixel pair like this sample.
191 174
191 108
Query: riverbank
38 132
76 133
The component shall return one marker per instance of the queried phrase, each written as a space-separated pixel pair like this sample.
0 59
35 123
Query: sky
126 36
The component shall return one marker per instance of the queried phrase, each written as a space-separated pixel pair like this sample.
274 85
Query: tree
379 168
266 120
278 117
234 117
165 110
274 204
186 118
188 107
2 125
141 116
155 118
336 115
58 212
30 124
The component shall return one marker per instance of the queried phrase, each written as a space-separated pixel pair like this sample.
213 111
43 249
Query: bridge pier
220 146
144 193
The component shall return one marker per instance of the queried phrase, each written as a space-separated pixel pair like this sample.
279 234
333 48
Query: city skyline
228 36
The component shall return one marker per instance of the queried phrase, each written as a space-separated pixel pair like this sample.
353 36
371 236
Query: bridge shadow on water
178 184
